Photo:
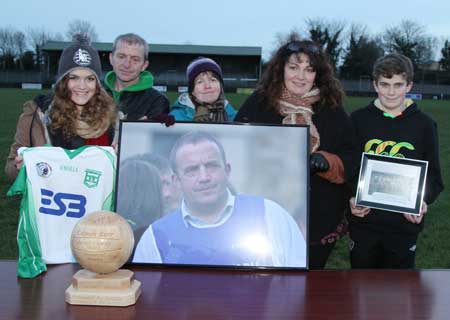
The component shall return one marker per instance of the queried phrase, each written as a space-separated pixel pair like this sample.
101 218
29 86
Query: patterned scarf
210 112
298 110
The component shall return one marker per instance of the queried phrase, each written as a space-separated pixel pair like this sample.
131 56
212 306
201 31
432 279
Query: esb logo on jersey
60 203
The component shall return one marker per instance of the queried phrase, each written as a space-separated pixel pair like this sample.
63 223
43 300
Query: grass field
433 247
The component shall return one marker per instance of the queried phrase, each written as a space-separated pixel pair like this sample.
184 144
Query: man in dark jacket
130 84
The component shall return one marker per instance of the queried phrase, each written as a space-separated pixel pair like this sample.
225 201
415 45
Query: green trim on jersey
19 185
30 263
70 153
73 153
108 204
25 149
109 155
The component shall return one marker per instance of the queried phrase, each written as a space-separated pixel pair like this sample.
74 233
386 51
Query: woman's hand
417 219
115 146
358 210
167 119
18 162
318 163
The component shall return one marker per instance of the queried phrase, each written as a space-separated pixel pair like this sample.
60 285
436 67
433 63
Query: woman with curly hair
298 87
78 113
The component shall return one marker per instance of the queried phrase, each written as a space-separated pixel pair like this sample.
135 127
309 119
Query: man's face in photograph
202 174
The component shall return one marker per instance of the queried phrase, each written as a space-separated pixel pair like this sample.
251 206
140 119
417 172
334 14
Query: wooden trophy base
113 289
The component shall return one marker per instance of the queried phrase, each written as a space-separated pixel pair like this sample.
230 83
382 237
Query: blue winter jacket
184 110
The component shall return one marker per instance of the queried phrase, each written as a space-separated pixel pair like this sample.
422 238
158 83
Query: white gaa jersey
61 187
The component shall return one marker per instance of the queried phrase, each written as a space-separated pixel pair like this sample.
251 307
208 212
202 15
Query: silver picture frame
391 183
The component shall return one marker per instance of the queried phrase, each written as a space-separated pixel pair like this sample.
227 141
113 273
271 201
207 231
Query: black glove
318 163
164 118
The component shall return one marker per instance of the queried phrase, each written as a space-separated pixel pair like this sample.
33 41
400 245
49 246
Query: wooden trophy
101 243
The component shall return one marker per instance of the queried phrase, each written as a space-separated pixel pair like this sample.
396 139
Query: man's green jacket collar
145 82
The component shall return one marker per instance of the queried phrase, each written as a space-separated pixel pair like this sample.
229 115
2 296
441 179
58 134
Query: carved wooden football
102 241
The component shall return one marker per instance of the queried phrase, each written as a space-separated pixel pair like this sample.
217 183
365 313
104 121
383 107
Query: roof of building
169 48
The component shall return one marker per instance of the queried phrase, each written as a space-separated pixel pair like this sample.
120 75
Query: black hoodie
412 134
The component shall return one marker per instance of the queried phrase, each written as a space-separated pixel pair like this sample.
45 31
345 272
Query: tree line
352 49
21 50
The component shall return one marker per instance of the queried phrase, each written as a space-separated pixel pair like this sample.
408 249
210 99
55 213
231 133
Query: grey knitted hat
79 54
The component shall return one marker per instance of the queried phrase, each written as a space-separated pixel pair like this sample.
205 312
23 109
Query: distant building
432 66
241 66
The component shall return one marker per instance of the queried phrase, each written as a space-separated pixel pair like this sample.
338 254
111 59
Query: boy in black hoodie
383 239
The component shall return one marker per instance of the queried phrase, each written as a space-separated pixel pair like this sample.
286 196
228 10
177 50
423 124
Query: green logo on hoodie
387 148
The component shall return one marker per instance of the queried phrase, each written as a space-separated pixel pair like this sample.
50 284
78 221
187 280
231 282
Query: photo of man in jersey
214 225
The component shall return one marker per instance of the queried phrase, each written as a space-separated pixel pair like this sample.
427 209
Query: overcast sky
226 22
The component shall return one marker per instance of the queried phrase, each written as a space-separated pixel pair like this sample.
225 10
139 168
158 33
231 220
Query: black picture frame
269 161
391 183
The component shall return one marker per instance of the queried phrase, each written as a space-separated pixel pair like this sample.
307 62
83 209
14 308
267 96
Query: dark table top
188 293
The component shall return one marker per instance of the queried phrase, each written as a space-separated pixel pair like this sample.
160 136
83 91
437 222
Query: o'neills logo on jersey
43 169
91 178
82 57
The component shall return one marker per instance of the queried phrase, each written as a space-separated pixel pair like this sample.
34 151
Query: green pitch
432 249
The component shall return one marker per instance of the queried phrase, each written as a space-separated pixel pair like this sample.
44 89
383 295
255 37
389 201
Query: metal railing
174 79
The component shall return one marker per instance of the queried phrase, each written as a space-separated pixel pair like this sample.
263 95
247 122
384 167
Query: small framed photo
392 184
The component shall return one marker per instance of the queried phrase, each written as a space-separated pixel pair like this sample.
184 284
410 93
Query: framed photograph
392 184
223 195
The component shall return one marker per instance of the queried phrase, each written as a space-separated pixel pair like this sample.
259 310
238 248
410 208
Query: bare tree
37 38
82 27
281 38
328 33
20 42
410 38
317 30
6 53
6 40
12 46
325 33
445 60
361 53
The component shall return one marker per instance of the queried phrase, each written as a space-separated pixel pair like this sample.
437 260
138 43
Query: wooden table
181 293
